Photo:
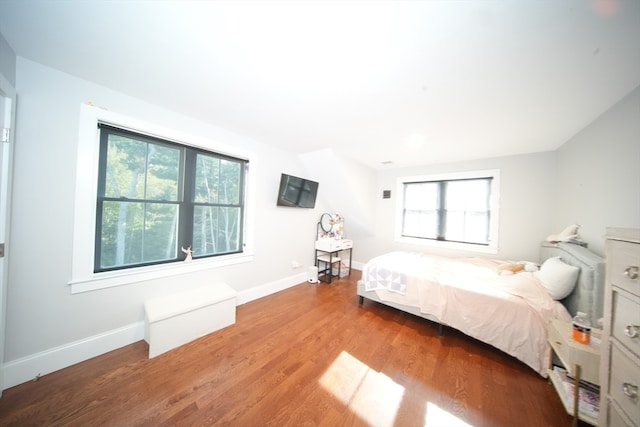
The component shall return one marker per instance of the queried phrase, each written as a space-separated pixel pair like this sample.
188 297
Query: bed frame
588 295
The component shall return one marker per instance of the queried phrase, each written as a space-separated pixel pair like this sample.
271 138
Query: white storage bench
176 319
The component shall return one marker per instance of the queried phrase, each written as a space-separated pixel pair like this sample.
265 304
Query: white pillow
557 277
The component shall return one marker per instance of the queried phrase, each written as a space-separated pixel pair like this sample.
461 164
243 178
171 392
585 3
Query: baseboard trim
31 367
45 362
270 288
356 265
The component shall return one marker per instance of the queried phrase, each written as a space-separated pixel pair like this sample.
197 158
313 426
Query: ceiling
412 83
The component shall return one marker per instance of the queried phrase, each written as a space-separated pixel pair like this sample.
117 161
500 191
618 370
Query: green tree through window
155 197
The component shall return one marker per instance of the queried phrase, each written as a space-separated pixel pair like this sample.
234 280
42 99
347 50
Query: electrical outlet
295 264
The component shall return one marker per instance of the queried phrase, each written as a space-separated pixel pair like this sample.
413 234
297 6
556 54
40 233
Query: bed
507 311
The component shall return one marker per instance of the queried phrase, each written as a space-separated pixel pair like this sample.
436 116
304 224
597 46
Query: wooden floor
307 356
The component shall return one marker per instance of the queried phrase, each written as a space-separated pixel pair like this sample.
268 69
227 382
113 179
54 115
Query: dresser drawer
625 325
625 266
625 383
333 245
615 418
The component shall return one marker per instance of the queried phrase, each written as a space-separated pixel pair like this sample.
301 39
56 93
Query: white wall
42 315
7 61
598 174
525 215
347 188
7 92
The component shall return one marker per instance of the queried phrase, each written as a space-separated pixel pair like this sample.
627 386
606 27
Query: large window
156 198
459 208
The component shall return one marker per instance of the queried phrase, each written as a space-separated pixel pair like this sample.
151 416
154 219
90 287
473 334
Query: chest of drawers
620 361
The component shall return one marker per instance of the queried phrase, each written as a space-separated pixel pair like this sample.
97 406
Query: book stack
588 394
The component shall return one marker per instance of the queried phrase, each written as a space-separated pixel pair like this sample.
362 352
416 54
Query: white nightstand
582 361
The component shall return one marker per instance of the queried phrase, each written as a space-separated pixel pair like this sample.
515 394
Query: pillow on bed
557 277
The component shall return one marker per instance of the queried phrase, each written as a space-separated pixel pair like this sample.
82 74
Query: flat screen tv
297 192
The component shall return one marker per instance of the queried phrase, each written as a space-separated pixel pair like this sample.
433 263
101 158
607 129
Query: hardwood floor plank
306 356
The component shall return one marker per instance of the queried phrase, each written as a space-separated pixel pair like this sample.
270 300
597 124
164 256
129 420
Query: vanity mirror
326 222
330 226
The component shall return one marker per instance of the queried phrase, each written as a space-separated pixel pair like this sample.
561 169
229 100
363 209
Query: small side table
582 361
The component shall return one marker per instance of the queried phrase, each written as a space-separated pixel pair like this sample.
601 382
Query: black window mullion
488 216
442 212
243 171
405 186
186 215
102 179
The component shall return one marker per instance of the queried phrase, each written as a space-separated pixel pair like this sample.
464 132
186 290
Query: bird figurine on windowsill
187 251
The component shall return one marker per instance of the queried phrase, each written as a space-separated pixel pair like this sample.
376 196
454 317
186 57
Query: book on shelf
584 384
588 394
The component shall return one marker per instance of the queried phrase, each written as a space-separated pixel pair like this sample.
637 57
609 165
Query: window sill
97 281
448 245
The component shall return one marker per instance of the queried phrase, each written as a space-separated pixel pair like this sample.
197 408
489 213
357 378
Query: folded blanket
383 278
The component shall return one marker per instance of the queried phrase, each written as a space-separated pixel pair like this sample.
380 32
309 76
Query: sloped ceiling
410 83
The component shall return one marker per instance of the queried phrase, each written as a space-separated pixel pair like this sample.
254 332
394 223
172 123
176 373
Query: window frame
494 212
184 198
83 278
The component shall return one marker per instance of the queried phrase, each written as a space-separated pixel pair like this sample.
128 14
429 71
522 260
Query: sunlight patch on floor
436 417
374 397
344 377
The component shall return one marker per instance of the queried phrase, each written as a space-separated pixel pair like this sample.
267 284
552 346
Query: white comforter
509 312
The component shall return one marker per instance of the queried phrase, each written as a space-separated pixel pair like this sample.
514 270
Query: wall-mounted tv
297 192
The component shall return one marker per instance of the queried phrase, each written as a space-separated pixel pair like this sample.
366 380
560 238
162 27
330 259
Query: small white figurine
187 251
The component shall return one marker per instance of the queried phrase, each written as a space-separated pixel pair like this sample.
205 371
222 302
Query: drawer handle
631 272
631 331
630 390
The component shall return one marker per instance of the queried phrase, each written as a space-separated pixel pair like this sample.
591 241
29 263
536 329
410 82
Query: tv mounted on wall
297 192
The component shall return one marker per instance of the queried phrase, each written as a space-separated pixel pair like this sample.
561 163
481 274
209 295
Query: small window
156 197
458 209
